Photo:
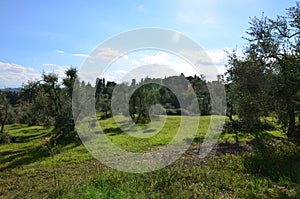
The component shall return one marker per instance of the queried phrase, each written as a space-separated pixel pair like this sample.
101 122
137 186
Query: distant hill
11 89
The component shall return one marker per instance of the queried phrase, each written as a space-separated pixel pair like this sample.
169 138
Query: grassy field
265 167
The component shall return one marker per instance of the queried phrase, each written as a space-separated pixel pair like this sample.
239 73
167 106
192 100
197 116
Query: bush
66 133
5 138
241 126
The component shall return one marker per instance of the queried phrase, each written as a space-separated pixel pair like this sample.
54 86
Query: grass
163 137
30 169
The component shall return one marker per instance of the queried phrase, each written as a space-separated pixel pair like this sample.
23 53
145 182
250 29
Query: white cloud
141 8
108 54
159 58
135 62
91 76
60 70
115 76
79 55
30 69
60 51
171 61
49 65
13 75
209 63
152 71
12 67
218 56
161 64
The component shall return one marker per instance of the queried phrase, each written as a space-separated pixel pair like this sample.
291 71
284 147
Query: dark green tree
64 122
5 107
141 101
269 72
248 90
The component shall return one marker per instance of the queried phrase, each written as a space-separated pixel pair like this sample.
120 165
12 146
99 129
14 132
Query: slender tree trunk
133 111
106 114
230 113
58 101
139 116
132 116
140 111
4 119
2 126
292 122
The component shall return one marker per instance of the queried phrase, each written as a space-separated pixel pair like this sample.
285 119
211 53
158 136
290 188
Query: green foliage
178 95
64 122
247 90
266 79
46 102
103 103
217 95
141 101
103 96
5 110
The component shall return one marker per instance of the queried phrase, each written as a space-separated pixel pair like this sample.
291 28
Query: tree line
45 102
48 102
262 82
193 91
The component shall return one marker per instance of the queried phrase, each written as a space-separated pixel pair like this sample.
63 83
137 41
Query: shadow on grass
117 131
17 126
113 131
276 159
23 157
24 154
232 148
149 131
8 152
198 139
30 137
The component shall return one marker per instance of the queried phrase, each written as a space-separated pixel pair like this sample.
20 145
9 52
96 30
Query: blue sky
39 36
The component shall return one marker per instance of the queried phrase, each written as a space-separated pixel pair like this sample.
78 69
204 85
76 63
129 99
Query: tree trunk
235 132
292 123
2 126
106 113
132 116
138 118
230 113
140 110
4 119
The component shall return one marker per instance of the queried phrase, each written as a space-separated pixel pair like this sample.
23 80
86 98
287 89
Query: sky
50 36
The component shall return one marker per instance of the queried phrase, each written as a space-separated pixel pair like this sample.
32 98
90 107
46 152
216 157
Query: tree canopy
266 78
